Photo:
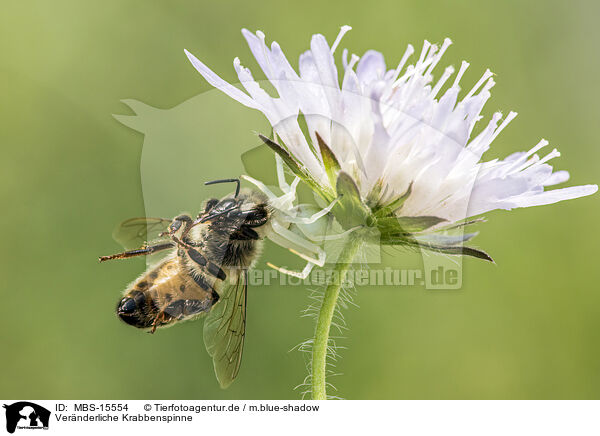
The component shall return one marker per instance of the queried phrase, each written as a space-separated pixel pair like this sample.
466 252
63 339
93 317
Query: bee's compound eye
174 226
210 204
126 306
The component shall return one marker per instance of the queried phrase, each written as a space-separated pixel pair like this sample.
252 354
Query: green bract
350 211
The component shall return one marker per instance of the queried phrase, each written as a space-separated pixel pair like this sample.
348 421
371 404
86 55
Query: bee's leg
143 251
178 221
212 268
159 318
187 223
181 243
204 284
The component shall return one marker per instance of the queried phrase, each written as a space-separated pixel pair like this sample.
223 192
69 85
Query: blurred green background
528 327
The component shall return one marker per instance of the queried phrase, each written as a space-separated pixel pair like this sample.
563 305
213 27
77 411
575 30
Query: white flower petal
371 67
390 127
220 84
553 196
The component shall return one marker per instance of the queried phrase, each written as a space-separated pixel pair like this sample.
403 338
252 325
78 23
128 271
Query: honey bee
204 273
206 269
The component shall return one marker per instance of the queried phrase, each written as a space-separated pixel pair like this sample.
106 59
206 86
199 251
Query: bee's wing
225 328
135 232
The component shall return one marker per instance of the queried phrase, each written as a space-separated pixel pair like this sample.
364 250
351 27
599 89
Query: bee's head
246 208
226 206
220 209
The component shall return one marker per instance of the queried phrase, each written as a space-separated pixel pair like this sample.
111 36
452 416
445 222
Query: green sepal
303 125
463 224
445 240
350 211
400 229
374 196
332 166
297 168
408 224
390 208
458 250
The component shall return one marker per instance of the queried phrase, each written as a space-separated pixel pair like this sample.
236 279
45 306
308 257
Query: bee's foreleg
180 220
143 251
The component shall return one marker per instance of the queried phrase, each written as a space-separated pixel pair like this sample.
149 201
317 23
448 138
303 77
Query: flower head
400 154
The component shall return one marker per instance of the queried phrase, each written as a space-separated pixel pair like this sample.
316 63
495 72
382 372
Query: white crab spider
286 214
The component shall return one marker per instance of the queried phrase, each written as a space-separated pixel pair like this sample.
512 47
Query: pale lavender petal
371 67
220 84
392 127
554 196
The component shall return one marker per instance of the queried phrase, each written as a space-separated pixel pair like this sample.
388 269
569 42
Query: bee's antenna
237 190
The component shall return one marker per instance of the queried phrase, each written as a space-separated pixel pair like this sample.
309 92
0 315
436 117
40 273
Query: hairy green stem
321 340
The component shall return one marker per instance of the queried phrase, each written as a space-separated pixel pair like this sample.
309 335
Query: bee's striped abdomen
165 295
